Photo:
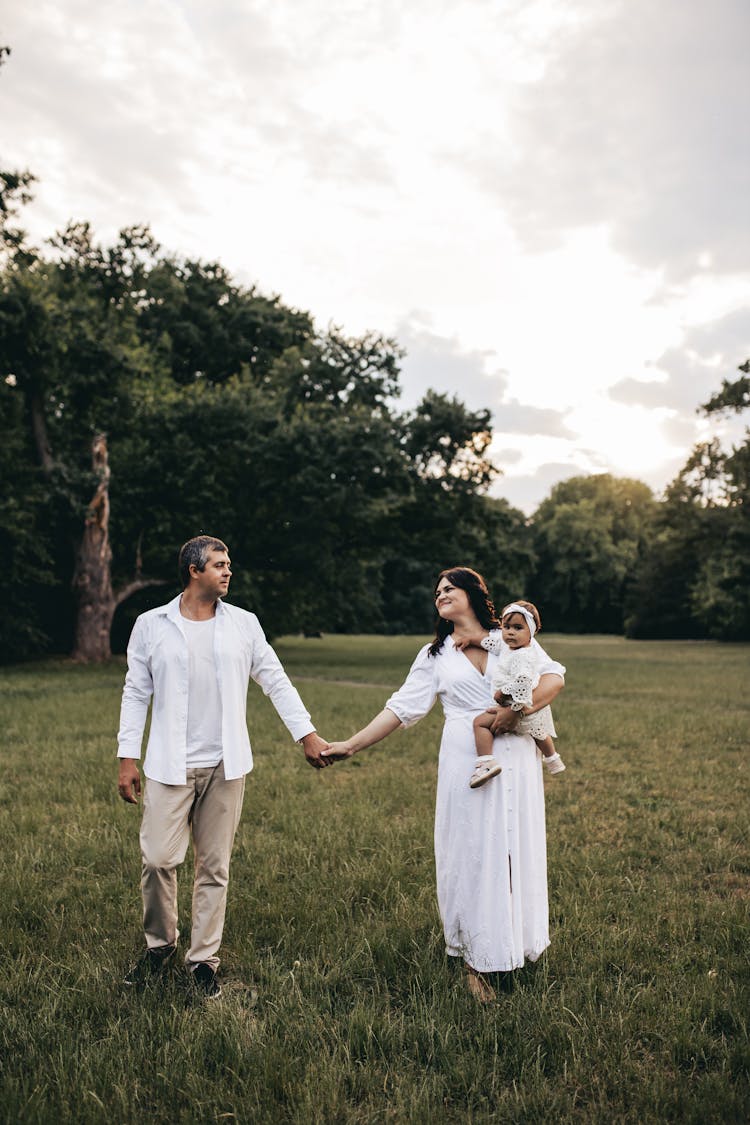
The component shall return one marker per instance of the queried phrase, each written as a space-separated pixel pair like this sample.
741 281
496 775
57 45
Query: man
195 657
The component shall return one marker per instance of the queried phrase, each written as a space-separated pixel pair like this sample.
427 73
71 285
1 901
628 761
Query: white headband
514 607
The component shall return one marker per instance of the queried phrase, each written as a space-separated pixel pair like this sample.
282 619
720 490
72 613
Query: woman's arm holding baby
506 720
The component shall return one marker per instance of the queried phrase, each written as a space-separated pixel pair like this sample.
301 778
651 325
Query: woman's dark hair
479 599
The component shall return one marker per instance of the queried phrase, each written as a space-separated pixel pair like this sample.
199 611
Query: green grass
638 1012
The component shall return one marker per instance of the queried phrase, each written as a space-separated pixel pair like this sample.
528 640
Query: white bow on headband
514 607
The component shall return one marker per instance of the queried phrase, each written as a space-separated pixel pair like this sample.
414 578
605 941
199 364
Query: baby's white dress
516 674
490 843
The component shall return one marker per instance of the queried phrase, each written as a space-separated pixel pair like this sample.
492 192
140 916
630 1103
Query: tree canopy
694 578
213 407
588 536
145 398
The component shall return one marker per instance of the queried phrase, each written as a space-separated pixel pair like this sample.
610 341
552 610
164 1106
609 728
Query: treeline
609 557
145 398
224 411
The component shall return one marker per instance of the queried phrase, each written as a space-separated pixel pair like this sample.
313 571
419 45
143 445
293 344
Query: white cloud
505 456
514 417
636 121
560 185
688 376
527 490
433 362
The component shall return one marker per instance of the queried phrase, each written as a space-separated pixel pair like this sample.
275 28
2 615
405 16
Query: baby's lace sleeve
494 642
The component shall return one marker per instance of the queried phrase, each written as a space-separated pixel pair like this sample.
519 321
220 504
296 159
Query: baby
513 680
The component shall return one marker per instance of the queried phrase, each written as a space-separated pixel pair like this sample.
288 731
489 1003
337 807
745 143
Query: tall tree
588 535
694 579
721 592
70 348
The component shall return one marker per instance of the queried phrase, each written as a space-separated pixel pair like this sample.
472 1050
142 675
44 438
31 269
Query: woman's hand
337 751
506 720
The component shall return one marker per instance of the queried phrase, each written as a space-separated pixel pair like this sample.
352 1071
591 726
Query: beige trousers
208 807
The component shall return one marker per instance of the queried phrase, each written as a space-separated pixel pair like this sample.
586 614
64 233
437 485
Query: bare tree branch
133 587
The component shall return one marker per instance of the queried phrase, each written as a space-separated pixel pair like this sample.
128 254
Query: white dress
490 843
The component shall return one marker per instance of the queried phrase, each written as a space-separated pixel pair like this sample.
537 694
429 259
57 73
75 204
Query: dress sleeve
545 664
417 693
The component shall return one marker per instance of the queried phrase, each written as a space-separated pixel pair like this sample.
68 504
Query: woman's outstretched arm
375 731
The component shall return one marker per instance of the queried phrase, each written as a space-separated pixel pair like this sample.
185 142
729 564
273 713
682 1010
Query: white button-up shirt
158 667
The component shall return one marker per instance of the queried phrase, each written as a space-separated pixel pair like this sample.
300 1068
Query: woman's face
451 601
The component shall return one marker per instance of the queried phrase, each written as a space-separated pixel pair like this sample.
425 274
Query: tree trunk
39 430
92 580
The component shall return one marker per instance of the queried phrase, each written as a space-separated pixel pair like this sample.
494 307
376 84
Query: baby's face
516 632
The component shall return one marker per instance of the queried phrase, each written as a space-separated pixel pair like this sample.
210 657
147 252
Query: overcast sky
545 201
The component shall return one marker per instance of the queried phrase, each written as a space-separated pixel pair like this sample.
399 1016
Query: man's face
213 581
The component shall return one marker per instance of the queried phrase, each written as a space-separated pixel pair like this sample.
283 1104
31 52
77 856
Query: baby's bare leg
546 745
483 736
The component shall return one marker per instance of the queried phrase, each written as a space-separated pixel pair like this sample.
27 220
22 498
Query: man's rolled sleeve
136 696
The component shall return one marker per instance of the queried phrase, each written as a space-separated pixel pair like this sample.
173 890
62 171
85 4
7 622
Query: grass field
638 1012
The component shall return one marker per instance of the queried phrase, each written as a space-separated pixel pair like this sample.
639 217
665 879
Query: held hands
337 751
314 747
320 753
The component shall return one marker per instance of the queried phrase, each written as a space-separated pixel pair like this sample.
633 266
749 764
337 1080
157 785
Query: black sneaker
149 966
206 981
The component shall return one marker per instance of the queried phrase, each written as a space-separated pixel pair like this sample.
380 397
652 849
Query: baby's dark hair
530 607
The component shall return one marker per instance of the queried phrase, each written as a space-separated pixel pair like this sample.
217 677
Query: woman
490 843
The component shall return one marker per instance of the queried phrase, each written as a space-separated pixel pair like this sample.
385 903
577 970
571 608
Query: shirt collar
172 609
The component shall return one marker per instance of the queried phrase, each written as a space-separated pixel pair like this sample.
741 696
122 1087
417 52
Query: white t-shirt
204 699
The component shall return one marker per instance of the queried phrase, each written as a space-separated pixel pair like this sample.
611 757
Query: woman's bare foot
478 986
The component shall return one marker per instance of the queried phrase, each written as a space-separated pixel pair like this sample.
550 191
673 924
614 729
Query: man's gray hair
195 553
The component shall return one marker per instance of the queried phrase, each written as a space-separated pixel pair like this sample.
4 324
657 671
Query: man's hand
313 744
129 781
506 720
